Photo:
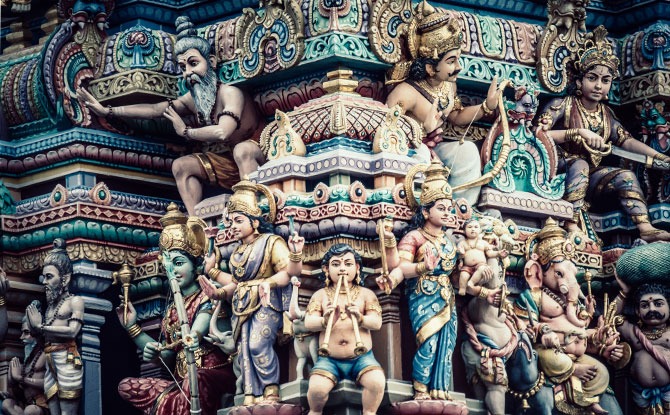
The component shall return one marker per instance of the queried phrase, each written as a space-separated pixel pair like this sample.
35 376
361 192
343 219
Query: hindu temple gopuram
334 207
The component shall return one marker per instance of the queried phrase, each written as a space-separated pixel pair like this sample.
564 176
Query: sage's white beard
27 349
53 294
204 93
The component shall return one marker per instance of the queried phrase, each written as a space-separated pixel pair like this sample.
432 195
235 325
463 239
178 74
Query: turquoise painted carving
6 201
532 161
138 48
339 15
271 38
656 45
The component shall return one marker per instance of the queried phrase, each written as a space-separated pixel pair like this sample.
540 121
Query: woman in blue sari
426 257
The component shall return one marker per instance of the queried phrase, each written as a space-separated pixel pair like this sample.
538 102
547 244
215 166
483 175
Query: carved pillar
89 281
94 318
386 342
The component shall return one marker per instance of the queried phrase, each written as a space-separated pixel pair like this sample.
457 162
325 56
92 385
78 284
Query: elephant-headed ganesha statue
558 315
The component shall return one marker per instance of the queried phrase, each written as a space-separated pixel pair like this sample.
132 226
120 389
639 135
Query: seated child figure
342 360
475 251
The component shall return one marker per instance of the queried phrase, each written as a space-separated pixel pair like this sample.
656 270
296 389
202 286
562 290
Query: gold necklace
655 334
330 294
594 119
440 93
242 251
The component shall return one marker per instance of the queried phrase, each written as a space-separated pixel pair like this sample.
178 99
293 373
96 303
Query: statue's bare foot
597 409
585 372
655 235
421 396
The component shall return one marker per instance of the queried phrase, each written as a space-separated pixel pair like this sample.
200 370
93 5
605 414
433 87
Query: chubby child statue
475 251
344 313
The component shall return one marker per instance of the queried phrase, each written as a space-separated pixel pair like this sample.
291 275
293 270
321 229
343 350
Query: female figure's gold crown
244 199
182 233
435 187
597 51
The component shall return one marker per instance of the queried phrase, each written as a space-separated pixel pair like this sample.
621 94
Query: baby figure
475 251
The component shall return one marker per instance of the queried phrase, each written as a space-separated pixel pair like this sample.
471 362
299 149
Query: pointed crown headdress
597 50
434 187
552 242
432 33
183 233
244 200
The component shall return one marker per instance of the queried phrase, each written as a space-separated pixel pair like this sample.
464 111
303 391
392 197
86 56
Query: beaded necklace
440 93
593 119
239 258
655 333
56 309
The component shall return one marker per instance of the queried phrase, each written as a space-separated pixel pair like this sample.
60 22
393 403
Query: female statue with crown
182 245
584 127
427 92
425 258
260 264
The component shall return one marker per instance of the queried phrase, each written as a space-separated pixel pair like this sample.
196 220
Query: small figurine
26 381
475 252
260 264
585 128
650 341
305 341
344 313
60 327
225 116
182 329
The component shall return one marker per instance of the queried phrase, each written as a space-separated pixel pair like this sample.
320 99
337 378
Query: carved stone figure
426 258
427 93
344 313
646 290
227 120
585 128
491 331
26 380
182 244
650 340
553 308
655 127
304 341
260 264
60 327
475 252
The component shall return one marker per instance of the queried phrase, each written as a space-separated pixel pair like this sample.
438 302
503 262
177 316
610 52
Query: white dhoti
465 164
65 374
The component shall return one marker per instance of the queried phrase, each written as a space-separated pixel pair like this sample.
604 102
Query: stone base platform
345 399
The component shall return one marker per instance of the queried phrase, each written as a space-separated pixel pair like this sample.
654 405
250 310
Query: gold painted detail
562 33
284 141
389 137
251 23
136 81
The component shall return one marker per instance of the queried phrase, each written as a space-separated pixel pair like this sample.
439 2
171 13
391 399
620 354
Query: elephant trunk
572 293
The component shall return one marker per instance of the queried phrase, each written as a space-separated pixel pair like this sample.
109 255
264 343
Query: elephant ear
533 274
